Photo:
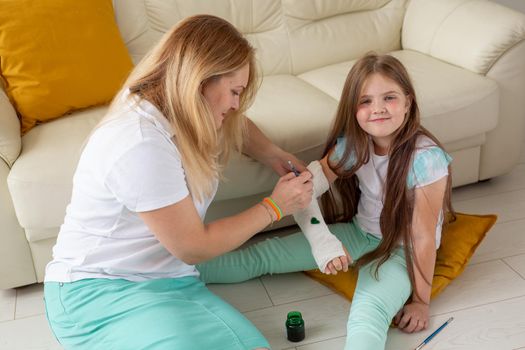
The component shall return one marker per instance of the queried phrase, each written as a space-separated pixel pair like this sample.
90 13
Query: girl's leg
376 302
277 255
176 313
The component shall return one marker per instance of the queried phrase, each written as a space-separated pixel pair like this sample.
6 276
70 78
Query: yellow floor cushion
60 55
458 242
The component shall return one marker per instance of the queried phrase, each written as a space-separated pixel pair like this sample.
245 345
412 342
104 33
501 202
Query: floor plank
517 263
496 326
30 333
478 285
293 287
7 304
246 296
502 241
331 344
30 301
325 318
515 180
508 206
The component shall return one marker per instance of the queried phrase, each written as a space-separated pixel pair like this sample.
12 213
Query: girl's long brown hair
396 215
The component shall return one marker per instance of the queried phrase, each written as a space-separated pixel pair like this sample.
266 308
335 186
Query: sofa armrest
502 148
10 140
466 33
16 262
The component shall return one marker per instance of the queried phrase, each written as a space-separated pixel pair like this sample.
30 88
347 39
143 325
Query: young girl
393 184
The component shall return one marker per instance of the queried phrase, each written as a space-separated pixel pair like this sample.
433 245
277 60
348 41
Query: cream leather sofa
467 60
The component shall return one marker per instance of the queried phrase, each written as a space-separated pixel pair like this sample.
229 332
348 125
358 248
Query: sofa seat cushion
447 94
294 115
40 181
291 112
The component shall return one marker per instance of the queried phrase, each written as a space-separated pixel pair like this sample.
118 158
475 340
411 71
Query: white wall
515 4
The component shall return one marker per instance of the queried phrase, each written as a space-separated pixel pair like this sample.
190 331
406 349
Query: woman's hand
293 193
277 159
339 263
279 163
413 317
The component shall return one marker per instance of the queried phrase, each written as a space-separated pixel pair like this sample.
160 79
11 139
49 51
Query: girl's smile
378 120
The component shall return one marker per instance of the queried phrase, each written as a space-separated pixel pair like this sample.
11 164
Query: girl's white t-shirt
129 165
430 164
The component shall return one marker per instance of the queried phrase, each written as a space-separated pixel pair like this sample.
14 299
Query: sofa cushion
294 115
142 23
469 34
60 56
327 32
447 95
40 181
290 36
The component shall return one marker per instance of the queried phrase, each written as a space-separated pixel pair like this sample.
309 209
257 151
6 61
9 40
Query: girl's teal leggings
375 302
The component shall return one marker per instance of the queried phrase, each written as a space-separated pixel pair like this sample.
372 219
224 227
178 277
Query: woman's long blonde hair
171 77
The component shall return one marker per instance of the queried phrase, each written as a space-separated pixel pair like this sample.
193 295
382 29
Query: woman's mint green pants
375 302
158 314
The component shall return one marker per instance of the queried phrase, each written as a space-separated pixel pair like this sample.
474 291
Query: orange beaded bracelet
274 206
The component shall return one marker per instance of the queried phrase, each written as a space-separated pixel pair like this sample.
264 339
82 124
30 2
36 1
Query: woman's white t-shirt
129 165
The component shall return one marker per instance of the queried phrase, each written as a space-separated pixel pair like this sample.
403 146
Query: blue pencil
429 338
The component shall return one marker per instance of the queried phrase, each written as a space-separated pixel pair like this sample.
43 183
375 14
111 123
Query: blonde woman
122 274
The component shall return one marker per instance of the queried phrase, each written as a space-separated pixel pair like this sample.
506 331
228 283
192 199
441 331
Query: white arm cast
325 246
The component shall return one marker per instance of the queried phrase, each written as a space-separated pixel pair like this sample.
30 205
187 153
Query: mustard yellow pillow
60 55
459 240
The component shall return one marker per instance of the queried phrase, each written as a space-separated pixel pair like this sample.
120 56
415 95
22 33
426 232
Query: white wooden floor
487 301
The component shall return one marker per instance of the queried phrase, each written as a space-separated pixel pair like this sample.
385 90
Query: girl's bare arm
427 207
330 175
414 316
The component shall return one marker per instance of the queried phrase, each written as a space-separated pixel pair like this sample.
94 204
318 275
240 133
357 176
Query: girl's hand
293 193
340 263
413 317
